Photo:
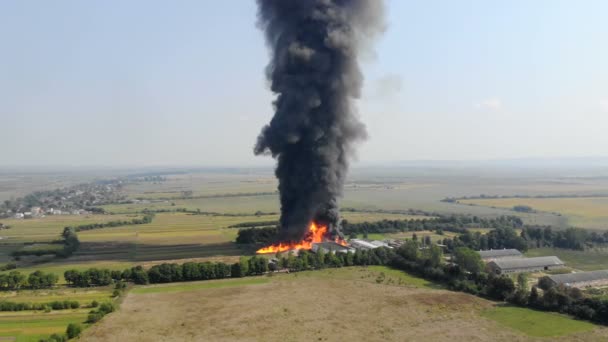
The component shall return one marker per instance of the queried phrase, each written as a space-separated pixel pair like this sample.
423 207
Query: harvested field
350 304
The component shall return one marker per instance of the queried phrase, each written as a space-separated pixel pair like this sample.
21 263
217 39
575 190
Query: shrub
73 330
94 317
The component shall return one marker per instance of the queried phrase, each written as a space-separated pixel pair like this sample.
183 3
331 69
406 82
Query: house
517 265
361 244
36 211
331 247
581 279
494 254
19 215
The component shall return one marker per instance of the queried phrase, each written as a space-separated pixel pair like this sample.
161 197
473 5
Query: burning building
315 75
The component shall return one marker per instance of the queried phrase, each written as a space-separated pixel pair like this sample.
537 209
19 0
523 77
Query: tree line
55 305
147 218
570 238
15 280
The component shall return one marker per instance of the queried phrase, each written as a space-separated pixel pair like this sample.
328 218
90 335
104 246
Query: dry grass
332 305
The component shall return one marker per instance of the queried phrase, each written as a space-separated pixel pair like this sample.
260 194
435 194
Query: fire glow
316 233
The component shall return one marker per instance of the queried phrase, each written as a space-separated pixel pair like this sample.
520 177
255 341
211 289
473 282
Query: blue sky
182 82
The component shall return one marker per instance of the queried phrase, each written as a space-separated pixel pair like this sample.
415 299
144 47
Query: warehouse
494 254
517 265
361 244
331 247
581 279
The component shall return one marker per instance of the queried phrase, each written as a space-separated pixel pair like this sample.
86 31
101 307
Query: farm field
588 260
588 212
408 235
25 326
170 236
33 325
48 228
283 308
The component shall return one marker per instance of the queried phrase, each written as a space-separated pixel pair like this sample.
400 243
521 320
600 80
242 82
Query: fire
316 233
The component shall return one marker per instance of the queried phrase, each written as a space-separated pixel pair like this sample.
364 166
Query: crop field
33 325
170 236
588 212
28 326
588 260
48 228
408 235
346 304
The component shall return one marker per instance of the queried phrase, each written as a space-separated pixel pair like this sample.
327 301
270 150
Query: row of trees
570 238
91 277
55 305
498 238
147 218
15 280
256 265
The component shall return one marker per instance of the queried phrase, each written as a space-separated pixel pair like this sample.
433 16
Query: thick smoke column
315 74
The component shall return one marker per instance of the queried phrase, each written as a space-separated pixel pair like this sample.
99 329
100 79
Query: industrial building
361 244
581 279
494 254
517 265
331 247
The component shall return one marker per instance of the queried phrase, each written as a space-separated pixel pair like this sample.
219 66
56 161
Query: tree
73 330
533 299
545 283
427 240
435 256
501 287
409 250
522 281
468 260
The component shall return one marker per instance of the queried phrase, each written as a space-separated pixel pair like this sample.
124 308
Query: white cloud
493 103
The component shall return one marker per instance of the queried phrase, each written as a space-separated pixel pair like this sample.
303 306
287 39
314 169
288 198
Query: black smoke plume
314 72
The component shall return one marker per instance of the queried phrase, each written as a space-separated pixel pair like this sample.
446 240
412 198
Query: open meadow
349 304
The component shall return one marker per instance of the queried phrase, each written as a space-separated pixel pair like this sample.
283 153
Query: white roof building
361 244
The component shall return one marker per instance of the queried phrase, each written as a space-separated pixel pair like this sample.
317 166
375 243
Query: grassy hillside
331 305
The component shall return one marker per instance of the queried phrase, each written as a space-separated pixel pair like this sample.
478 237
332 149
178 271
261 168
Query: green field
589 260
33 325
537 323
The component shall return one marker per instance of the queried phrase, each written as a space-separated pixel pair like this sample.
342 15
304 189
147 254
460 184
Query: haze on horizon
164 83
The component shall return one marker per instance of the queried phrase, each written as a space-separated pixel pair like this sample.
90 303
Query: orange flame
316 233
